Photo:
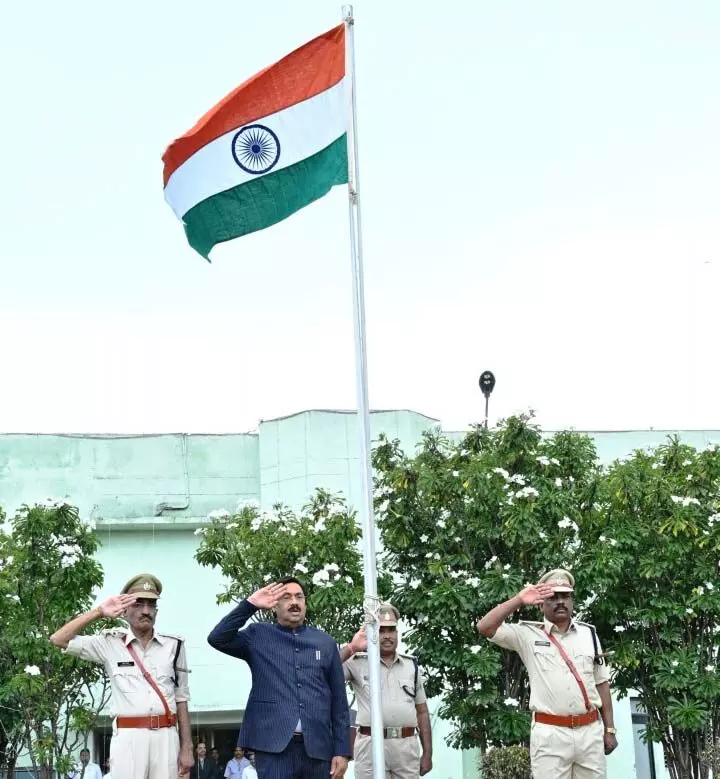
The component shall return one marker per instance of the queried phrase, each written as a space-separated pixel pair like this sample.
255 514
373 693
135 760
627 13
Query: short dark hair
292 580
84 749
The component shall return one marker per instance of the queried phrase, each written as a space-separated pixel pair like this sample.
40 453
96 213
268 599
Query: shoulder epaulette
531 623
360 655
172 635
585 624
408 657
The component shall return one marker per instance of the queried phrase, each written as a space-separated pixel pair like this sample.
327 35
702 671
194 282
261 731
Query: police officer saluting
572 728
148 680
404 706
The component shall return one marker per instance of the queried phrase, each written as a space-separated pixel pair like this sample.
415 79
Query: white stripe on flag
302 130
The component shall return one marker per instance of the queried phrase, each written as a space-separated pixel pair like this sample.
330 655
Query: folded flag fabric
272 146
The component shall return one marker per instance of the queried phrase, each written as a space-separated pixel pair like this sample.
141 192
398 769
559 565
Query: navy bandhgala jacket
296 675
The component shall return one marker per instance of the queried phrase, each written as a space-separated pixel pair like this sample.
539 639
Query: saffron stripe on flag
303 130
265 201
302 74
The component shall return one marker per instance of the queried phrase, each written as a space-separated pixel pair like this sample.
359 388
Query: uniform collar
130 637
396 659
549 627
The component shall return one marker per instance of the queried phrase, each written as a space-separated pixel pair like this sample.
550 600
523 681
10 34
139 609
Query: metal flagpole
371 604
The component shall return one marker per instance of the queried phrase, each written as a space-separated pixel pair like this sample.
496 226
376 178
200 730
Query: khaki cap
559 579
389 615
145 585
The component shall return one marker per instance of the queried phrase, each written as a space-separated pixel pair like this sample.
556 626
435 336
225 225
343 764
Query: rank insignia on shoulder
542 643
126 664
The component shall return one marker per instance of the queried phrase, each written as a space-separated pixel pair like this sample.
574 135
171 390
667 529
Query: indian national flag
272 146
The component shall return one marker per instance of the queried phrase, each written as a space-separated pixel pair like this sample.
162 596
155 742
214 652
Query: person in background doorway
235 767
205 767
215 755
86 769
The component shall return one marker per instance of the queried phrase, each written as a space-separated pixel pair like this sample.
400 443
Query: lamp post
487 385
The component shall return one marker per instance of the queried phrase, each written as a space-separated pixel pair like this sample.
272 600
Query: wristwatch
611 731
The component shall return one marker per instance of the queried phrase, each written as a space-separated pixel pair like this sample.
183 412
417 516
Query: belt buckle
154 722
394 732
574 721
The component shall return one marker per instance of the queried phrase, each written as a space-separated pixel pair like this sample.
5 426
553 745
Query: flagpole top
347 13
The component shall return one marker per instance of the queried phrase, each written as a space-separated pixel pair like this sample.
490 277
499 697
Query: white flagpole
371 605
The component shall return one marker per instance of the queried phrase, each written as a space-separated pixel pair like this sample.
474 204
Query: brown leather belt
153 722
569 721
389 732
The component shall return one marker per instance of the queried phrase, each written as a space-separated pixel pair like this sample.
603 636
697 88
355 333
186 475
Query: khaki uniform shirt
131 694
553 689
398 705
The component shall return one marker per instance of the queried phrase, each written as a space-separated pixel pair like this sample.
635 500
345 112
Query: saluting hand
359 641
535 594
268 596
115 606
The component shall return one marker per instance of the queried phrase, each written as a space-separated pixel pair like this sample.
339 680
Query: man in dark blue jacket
296 719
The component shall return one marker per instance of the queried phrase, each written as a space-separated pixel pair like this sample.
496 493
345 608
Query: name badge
542 643
126 664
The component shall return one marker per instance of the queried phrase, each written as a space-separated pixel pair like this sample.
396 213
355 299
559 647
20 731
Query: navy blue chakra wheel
256 149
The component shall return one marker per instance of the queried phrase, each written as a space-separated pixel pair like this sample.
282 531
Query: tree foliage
652 552
47 574
319 546
466 525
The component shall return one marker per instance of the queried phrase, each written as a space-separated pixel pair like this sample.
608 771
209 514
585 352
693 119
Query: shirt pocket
546 657
584 662
127 680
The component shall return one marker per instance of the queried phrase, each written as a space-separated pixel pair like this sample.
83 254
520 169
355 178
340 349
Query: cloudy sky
541 192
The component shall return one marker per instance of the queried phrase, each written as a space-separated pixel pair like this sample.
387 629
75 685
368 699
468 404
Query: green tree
465 525
47 574
319 546
652 554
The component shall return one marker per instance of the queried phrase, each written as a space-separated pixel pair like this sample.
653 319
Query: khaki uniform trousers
567 753
141 753
402 758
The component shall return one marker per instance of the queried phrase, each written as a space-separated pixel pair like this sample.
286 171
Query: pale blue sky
540 188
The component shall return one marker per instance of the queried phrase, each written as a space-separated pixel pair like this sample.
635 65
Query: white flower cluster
7 561
511 702
610 541
201 531
527 492
326 575
566 522
32 670
489 564
685 501
15 598
301 567
69 555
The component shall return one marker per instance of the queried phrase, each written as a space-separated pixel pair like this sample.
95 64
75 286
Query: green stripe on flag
267 200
